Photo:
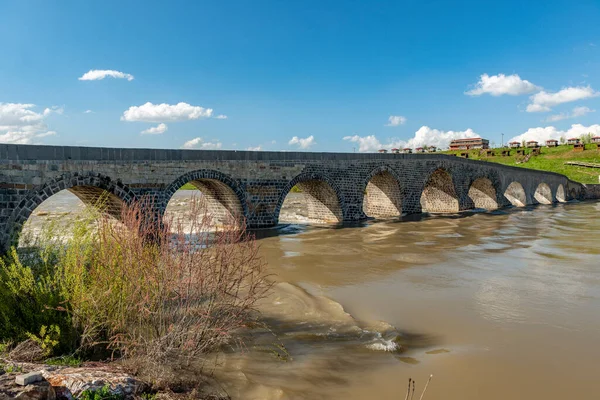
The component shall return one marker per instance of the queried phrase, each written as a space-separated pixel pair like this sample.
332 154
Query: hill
551 159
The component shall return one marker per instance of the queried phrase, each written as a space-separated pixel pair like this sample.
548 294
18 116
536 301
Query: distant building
407 150
514 145
420 150
552 143
596 139
532 143
395 151
432 149
471 143
382 151
573 141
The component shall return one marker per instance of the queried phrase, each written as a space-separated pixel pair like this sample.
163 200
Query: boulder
40 390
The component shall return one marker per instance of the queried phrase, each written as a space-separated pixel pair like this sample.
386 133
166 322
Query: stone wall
592 191
256 184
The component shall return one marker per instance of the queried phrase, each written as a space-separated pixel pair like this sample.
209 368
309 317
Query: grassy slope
551 159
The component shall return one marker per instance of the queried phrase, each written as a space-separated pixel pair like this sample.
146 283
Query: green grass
188 186
551 159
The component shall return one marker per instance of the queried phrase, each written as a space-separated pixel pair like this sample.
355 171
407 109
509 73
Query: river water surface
502 305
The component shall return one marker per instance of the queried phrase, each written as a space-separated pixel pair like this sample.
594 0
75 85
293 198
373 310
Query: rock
26 379
71 382
41 390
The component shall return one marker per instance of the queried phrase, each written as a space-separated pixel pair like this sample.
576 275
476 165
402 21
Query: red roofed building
552 143
573 141
395 151
596 139
515 145
407 150
470 143
532 143
382 151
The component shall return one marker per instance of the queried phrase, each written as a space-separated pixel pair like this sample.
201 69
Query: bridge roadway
338 187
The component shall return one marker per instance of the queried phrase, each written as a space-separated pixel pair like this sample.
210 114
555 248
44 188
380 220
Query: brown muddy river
501 305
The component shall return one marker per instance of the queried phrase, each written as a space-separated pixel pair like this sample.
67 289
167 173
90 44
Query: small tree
562 140
586 138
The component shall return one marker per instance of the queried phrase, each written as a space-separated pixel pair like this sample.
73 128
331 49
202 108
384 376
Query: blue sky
278 69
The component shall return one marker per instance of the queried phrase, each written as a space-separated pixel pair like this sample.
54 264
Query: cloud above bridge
156 130
99 74
165 112
303 143
498 85
20 124
199 143
541 134
396 120
544 101
425 136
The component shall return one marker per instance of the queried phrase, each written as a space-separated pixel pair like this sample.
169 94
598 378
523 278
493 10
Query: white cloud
541 134
366 144
98 74
257 148
396 120
199 143
577 112
425 136
221 116
498 85
156 130
19 123
88 112
303 143
544 101
165 112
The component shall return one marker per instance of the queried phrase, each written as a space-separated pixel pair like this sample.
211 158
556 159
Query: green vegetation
551 159
65 361
110 291
100 394
188 186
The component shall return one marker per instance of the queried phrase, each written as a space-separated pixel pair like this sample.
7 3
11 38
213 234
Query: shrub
171 289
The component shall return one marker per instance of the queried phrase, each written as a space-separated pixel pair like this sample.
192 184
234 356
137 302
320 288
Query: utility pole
502 139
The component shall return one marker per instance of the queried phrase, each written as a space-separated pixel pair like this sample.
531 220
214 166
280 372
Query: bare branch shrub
171 289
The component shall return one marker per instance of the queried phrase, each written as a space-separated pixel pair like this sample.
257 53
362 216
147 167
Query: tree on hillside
586 138
562 140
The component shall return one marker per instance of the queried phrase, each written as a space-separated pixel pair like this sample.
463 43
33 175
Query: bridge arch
483 194
383 194
322 196
561 195
439 194
93 190
515 193
543 194
225 198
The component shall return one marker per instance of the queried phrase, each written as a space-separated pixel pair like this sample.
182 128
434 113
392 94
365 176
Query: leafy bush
172 289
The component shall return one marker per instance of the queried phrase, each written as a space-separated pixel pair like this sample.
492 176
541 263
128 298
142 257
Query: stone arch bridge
338 187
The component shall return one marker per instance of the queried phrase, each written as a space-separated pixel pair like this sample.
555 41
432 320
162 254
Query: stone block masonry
255 184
